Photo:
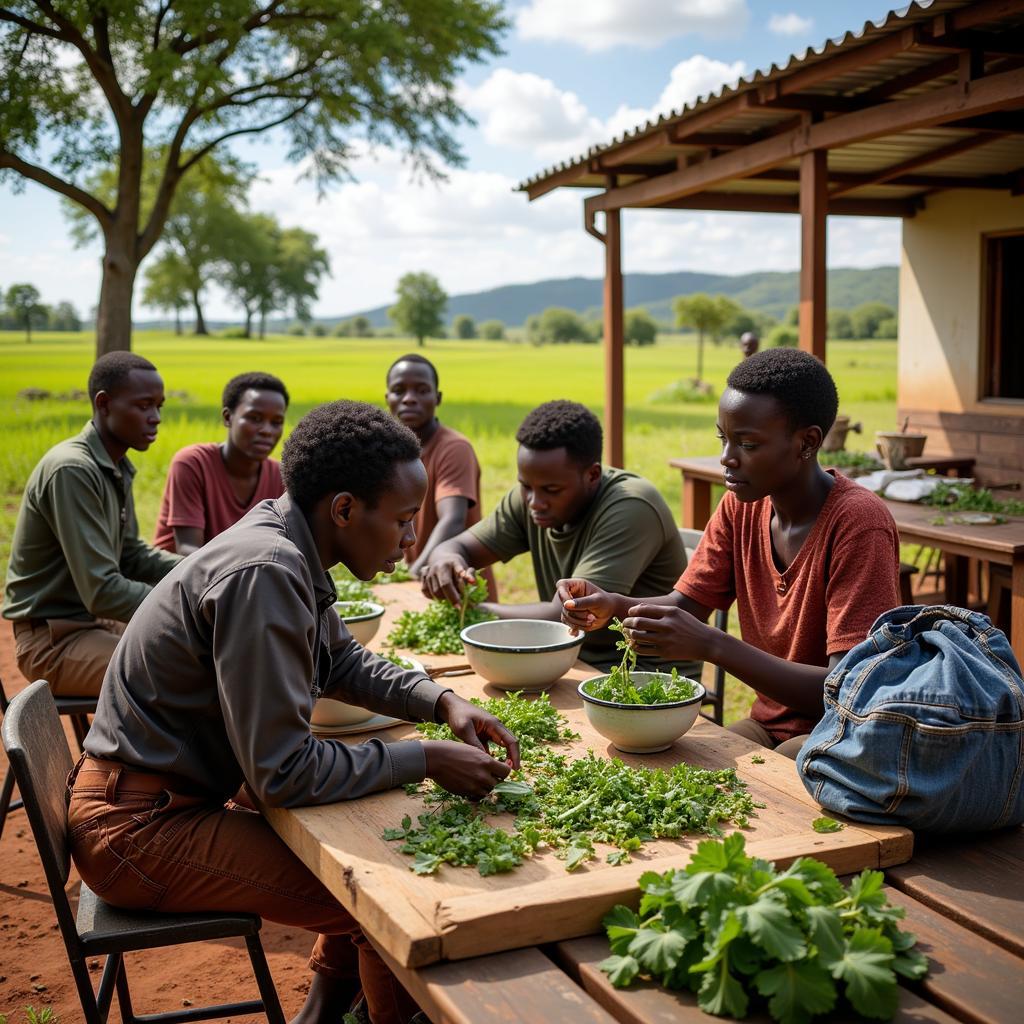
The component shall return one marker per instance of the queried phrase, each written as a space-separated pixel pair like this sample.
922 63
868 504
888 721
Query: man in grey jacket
213 686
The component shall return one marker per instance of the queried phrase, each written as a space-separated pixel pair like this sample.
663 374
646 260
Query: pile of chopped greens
348 587
400 575
353 609
436 629
618 686
959 497
864 462
730 927
564 804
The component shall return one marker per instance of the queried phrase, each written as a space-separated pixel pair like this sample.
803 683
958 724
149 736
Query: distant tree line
22 310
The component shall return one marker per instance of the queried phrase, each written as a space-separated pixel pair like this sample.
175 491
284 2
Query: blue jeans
923 726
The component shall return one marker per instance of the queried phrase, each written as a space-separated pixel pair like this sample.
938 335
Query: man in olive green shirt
78 569
575 518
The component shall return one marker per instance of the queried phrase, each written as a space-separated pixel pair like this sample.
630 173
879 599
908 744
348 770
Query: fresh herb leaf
621 970
436 629
826 825
757 759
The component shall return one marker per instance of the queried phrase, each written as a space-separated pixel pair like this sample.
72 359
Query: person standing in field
749 343
452 502
575 517
211 486
78 570
213 686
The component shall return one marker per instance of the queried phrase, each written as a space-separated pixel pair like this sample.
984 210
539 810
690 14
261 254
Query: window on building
1003 352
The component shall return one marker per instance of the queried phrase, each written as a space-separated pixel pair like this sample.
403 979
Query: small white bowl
332 714
641 728
521 654
362 627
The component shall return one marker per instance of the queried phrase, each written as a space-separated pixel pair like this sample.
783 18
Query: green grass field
488 387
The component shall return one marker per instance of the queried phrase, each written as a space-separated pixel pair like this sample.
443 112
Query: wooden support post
813 210
614 333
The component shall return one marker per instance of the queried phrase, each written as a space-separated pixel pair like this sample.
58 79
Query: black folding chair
40 759
77 709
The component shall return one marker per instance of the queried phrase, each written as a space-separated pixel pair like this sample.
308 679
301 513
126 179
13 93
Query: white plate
376 722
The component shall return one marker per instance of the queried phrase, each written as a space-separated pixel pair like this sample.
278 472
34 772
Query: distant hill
770 292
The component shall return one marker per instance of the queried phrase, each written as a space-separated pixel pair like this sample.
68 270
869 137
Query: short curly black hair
796 380
563 424
111 371
412 357
255 381
344 446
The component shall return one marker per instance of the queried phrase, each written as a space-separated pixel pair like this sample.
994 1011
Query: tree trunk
177 320
248 323
263 324
200 322
28 329
700 355
419 340
114 315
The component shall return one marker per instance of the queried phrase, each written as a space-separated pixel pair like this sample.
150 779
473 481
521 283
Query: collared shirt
76 552
215 677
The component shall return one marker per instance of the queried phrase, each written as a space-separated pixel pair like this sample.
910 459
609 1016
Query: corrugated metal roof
998 156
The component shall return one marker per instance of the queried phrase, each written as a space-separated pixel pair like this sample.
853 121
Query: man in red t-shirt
452 502
211 486
811 559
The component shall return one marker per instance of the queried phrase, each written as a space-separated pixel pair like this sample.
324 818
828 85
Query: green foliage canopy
23 302
464 326
640 328
492 330
187 76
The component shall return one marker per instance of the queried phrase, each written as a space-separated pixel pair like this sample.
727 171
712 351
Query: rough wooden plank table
955 906
1002 544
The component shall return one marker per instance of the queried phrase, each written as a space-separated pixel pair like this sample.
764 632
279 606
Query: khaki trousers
71 656
755 731
146 841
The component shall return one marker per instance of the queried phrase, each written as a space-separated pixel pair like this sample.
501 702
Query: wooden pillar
813 289
614 345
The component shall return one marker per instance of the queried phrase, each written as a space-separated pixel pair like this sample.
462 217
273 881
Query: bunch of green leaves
958 497
663 689
565 804
730 927
436 629
354 609
400 575
843 459
349 588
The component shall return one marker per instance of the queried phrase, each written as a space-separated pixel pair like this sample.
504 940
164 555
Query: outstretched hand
667 632
585 607
446 578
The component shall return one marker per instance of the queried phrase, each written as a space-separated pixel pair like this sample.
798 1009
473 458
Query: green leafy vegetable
400 575
353 609
827 825
757 759
960 497
436 629
733 929
396 659
566 804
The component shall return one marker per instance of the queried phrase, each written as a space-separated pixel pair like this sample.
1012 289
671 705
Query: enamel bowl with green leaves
362 618
641 712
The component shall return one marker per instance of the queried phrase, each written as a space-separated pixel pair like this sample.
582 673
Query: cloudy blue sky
573 73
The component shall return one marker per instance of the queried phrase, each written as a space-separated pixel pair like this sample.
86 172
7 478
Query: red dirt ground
33 965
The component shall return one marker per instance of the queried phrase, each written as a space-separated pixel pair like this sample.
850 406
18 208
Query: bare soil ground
33 965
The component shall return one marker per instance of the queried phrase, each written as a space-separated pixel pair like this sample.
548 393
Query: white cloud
521 110
790 24
602 24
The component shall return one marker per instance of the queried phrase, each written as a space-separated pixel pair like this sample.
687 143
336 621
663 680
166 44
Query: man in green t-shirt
575 518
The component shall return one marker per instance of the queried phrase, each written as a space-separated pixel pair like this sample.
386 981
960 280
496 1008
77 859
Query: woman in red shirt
810 558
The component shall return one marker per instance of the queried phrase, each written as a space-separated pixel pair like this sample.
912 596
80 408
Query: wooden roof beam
933 156
933 181
990 43
740 202
939 107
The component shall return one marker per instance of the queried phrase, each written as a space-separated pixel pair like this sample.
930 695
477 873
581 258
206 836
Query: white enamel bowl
333 714
641 728
521 654
362 627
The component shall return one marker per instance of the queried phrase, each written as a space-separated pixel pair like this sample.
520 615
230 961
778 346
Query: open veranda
488 388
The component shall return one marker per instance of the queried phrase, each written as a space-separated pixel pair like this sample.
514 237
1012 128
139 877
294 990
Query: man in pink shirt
211 486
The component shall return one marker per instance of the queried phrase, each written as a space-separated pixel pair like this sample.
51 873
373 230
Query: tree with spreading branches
187 77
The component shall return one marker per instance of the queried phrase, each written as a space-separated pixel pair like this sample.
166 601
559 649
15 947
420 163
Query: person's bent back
78 569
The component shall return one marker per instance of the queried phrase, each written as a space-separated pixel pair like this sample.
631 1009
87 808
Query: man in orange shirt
452 502
811 559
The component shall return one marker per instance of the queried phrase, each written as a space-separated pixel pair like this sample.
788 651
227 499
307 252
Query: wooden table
1002 544
964 902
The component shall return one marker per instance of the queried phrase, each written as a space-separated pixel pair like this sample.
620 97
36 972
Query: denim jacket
923 726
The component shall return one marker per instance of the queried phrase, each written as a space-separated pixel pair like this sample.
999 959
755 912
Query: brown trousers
71 656
145 841
755 731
